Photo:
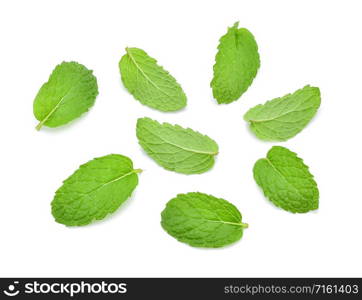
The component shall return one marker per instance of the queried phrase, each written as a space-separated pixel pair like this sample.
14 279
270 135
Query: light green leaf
175 148
282 118
237 62
150 83
202 220
286 181
70 91
95 190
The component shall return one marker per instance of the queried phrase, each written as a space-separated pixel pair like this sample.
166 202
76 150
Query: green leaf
237 62
286 181
70 91
150 83
95 190
202 220
175 148
282 118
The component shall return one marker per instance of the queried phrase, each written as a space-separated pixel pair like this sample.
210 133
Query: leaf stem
244 225
39 126
138 171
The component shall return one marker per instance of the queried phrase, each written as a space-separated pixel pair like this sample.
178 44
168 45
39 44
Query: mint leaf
202 220
286 181
237 62
175 148
282 118
70 91
95 190
150 83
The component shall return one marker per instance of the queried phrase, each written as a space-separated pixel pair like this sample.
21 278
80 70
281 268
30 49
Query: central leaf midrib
290 98
279 116
223 222
105 184
284 177
219 221
181 147
46 118
145 75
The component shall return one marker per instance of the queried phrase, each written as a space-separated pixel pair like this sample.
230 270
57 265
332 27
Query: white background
300 42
